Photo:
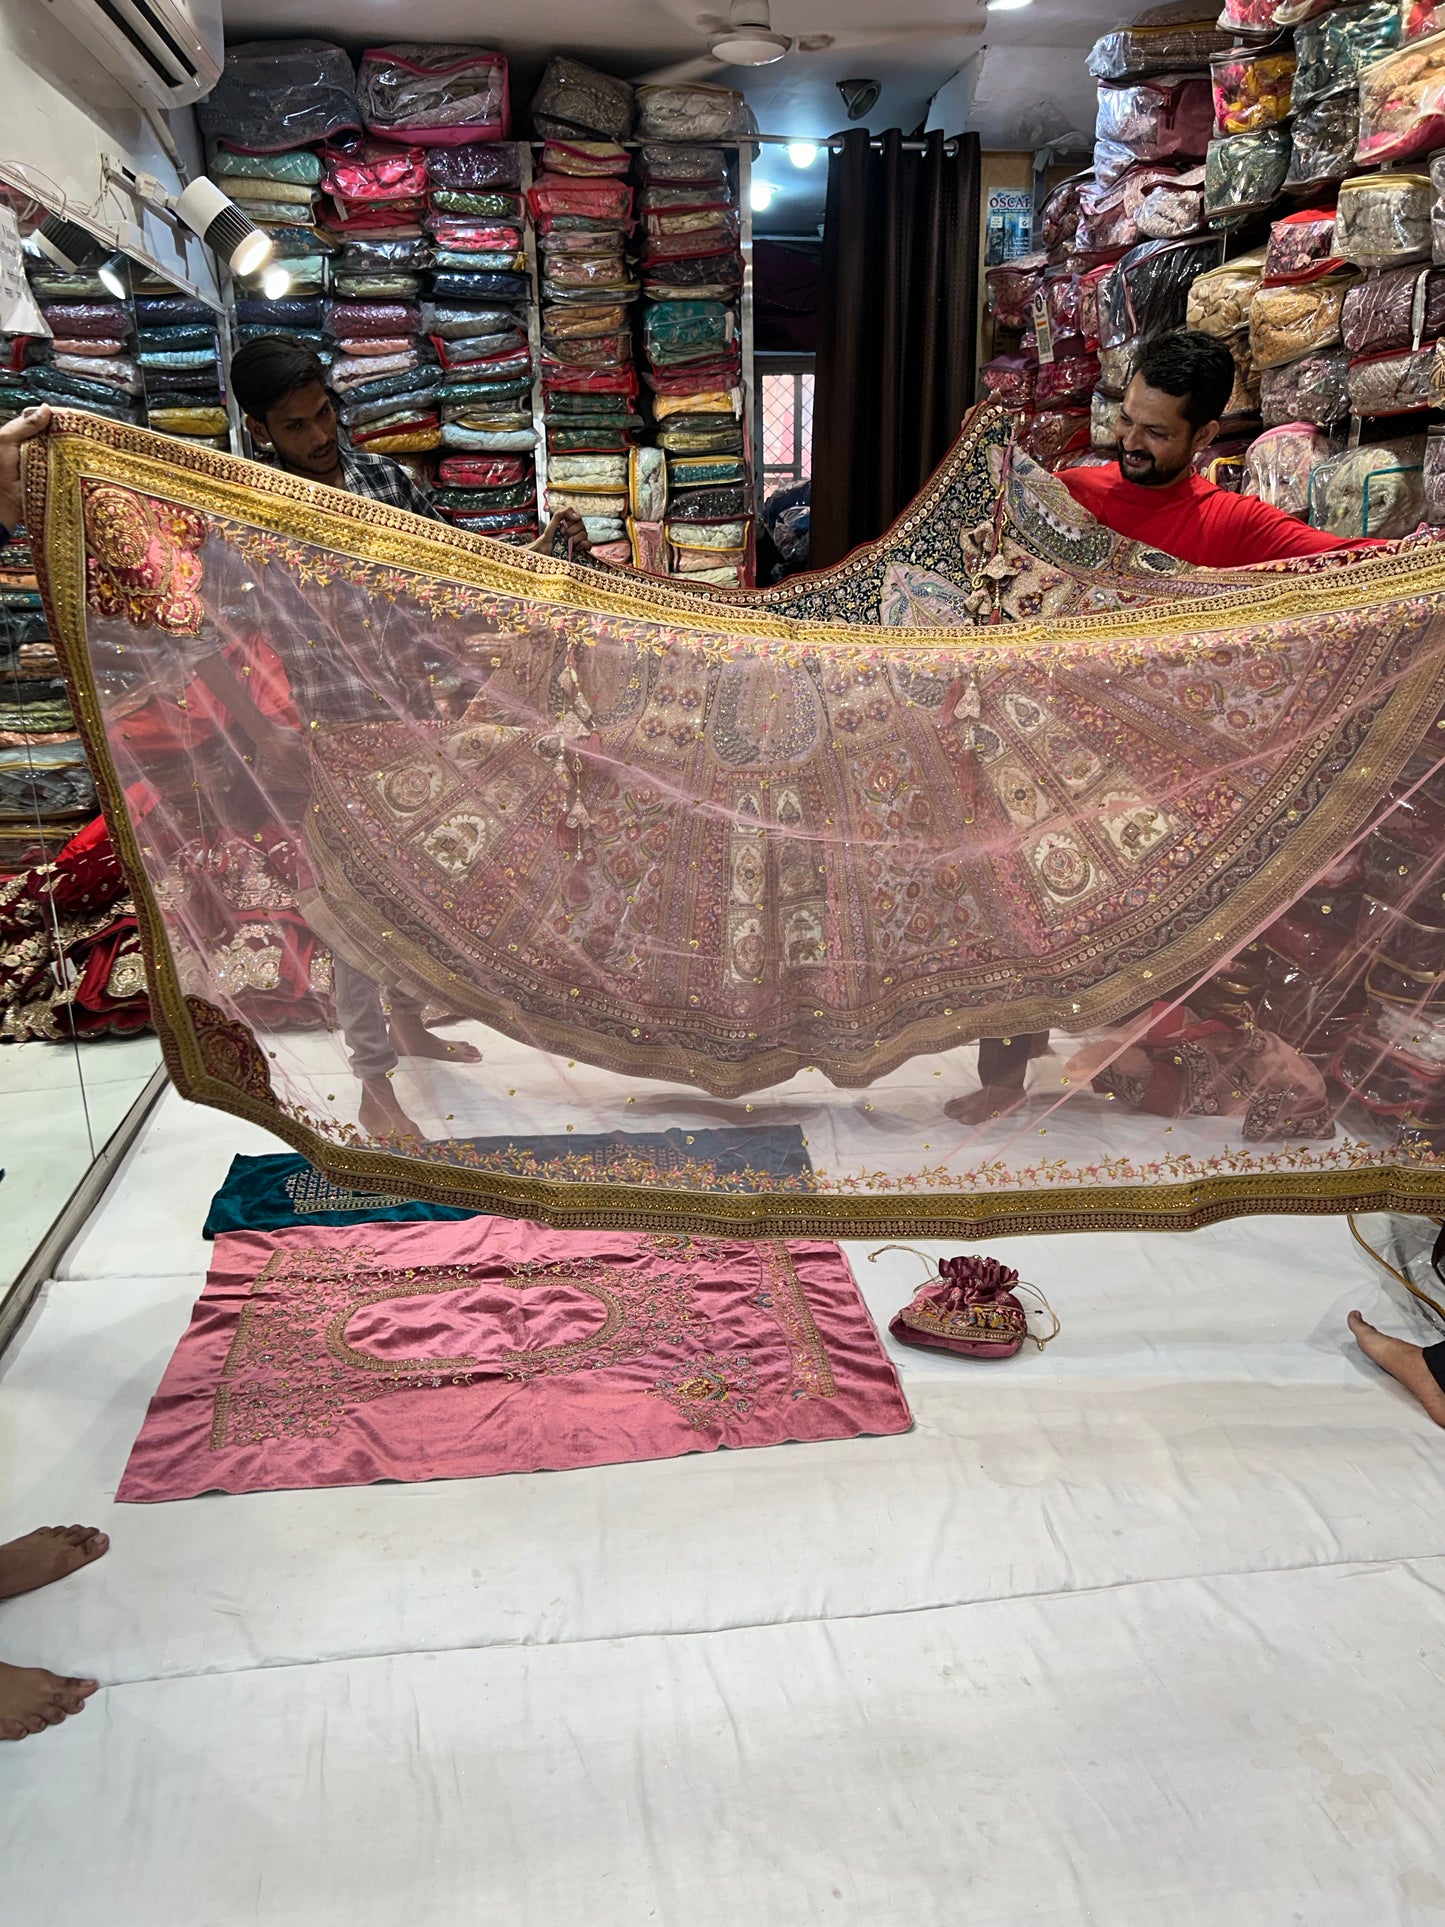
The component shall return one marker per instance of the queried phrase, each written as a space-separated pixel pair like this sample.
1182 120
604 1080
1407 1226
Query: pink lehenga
670 858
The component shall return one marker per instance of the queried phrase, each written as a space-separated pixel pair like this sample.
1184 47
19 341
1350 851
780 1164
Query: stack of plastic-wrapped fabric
476 318
47 793
179 358
276 102
1117 246
692 278
582 203
89 362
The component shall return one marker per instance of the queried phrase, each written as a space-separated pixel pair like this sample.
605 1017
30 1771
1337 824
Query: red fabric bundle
482 471
367 171
556 194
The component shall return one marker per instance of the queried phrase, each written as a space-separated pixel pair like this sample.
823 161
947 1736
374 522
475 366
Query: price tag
1043 333
18 312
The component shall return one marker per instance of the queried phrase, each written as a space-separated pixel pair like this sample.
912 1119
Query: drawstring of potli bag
1019 1284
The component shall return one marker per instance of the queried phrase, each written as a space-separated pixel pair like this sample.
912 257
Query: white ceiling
1027 81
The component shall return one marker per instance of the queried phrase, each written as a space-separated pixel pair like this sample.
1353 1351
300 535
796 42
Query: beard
1145 470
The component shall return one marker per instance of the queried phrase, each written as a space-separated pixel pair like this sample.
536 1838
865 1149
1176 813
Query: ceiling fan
746 38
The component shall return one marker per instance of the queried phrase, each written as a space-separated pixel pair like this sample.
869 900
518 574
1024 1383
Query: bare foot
382 1116
1403 1361
47 1554
412 1039
32 1699
994 1100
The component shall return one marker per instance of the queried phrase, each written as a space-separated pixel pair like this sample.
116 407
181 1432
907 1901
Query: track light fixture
206 211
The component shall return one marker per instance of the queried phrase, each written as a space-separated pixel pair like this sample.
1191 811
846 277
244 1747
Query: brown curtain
898 332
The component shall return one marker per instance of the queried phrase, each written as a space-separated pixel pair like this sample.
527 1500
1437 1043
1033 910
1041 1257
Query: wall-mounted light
276 281
114 273
1005 6
760 195
802 153
206 211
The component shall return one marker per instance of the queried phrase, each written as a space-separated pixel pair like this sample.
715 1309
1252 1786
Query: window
785 410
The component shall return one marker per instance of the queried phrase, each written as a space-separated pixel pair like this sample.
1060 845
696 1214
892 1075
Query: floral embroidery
142 559
711 1390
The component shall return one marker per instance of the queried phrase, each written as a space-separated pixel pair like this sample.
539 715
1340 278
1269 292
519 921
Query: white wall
60 112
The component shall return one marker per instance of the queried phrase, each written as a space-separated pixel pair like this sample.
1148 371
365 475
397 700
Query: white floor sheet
1149 1628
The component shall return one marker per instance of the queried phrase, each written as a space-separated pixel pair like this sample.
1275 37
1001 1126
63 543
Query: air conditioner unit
165 53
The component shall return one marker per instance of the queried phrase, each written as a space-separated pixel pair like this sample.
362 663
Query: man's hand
566 536
13 436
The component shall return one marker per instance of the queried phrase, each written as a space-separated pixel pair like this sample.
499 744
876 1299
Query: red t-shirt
1195 520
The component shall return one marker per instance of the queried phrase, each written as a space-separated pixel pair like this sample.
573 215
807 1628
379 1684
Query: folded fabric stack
276 102
477 320
46 792
582 205
383 370
178 355
692 278
583 208
87 364
279 192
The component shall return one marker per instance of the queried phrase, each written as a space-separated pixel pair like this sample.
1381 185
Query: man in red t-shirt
1171 411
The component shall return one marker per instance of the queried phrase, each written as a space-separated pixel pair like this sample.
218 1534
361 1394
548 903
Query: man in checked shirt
280 386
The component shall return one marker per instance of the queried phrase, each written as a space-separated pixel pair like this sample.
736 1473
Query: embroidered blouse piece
450 1351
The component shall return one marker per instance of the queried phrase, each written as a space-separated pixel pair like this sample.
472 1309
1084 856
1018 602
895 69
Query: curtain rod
832 142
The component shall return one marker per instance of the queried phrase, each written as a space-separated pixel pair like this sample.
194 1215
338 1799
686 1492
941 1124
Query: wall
62 114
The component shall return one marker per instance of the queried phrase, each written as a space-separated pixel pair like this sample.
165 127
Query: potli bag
968 1309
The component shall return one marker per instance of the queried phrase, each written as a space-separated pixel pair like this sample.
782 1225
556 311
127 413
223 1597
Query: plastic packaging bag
1108 218
1059 216
371 171
300 167
1316 388
1009 290
1104 420
1325 138
1434 478
478 168
1009 379
1301 248
1279 465
1244 396
1287 322
1393 310
1421 18
1396 383
1053 433
1245 172
1116 366
1332 50
1147 293
1133 53
1251 90
1069 379
692 113
455 322
1378 490
425 91
1384 219
274 95
572 98
361 320
563 194
1260 16
93 320
1401 112
666 162
1172 209
1156 119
